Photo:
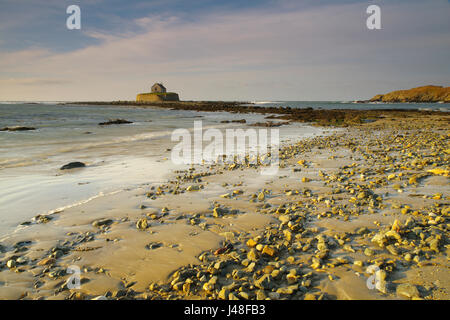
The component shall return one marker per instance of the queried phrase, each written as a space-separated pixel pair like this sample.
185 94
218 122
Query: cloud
295 53
33 82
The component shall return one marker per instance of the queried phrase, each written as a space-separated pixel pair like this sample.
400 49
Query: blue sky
231 50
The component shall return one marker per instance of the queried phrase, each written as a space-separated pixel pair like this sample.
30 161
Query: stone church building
158 88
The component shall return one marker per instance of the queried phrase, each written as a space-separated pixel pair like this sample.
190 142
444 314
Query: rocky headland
425 94
320 117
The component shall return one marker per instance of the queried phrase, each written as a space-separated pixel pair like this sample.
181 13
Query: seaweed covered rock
73 165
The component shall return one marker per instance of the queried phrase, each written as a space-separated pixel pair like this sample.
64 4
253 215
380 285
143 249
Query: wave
134 138
79 203
60 147
21 162
72 205
30 102
265 102
13 102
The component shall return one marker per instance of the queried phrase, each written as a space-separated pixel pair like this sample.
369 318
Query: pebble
265 282
252 255
231 296
223 294
407 290
244 295
102 222
269 251
393 250
261 196
274 295
219 212
310 296
369 252
261 295
358 263
11 263
251 243
142 224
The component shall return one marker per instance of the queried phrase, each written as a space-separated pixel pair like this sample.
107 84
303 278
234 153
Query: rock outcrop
425 94
73 165
17 129
117 121
157 97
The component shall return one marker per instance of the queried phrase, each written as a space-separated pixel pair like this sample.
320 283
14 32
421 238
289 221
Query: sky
252 50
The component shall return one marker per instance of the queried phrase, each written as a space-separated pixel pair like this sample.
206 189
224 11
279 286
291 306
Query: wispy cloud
33 82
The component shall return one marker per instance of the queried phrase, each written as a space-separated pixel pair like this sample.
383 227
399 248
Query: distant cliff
157 97
420 94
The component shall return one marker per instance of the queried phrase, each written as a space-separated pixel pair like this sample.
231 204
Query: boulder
408 291
421 94
116 121
17 129
102 222
73 165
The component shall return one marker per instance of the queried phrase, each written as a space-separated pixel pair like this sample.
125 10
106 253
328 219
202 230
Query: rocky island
426 94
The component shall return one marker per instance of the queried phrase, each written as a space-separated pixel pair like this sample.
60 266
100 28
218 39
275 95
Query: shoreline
304 234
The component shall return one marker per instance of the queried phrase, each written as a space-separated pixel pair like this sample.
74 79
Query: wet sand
369 195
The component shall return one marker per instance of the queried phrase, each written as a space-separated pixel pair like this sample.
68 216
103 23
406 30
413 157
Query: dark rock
72 165
407 290
102 222
264 283
117 121
224 249
269 124
120 293
17 129
153 245
42 218
234 121
21 244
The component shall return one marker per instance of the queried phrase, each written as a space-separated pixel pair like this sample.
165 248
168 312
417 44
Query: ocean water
118 157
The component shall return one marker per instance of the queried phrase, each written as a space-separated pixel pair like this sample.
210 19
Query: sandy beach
366 201
225 159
